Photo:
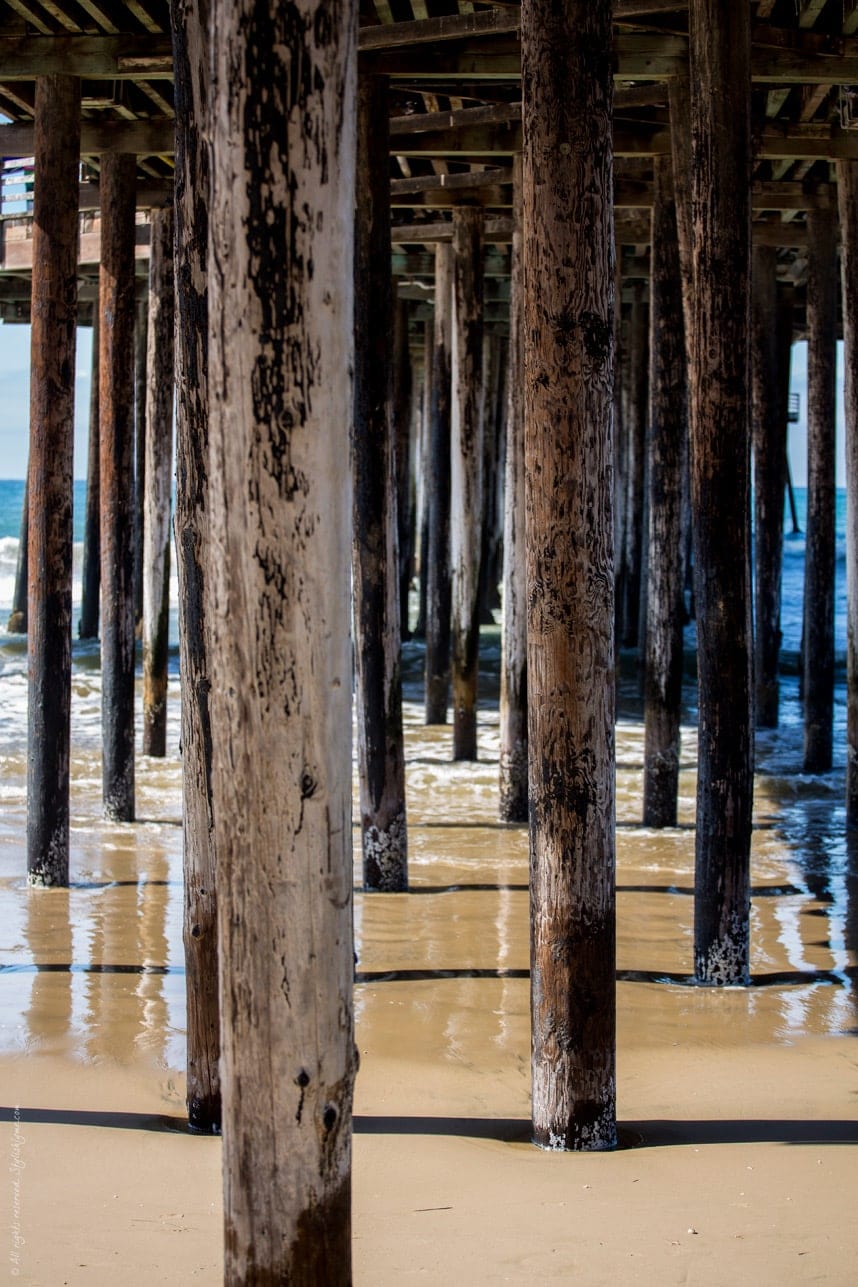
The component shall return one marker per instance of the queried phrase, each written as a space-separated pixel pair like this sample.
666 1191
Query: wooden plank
474 179
432 30
144 138
121 57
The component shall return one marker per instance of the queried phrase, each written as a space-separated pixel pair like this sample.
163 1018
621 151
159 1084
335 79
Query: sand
738 1109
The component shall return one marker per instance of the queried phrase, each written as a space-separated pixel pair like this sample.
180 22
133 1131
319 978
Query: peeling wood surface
375 576
49 475
719 403
283 193
667 463
160 378
513 694
466 475
116 440
568 242
191 25
818 633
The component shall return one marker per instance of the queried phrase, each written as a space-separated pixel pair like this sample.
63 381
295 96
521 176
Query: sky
14 405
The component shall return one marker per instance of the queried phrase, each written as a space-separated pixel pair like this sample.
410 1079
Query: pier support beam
635 426
49 474
769 433
158 465
437 484
466 474
191 21
87 627
141 385
17 624
404 422
667 441
381 751
568 239
818 634
513 694
719 404
847 189
281 350
116 433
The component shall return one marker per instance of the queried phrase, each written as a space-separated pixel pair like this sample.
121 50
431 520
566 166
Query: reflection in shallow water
96 972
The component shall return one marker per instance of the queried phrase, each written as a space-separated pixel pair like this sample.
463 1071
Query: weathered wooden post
91 571
141 352
847 191
17 623
116 446
49 474
438 588
568 240
818 634
769 437
667 443
403 417
466 461
421 517
635 426
719 405
375 568
191 23
513 695
283 194
158 465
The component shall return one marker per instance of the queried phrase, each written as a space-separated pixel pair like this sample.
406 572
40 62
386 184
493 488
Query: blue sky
15 413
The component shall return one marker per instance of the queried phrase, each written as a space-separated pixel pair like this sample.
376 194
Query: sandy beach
738 1109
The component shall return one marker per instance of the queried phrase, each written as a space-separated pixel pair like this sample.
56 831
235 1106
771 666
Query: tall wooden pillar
281 351
17 623
818 634
769 435
847 190
116 432
635 425
191 21
667 460
568 239
141 384
421 519
49 474
381 751
91 570
513 694
719 404
403 416
158 465
438 590
466 469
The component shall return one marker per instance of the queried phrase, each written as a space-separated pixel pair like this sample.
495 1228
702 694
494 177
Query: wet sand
738 1109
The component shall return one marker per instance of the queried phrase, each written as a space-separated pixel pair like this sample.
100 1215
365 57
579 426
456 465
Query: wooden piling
438 587
847 191
116 434
466 483
141 332
513 693
667 445
91 571
17 623
158 465
281 350
568 240
635 425
769 439
191 21
818 633
49 474
403 418
719 405
375 570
